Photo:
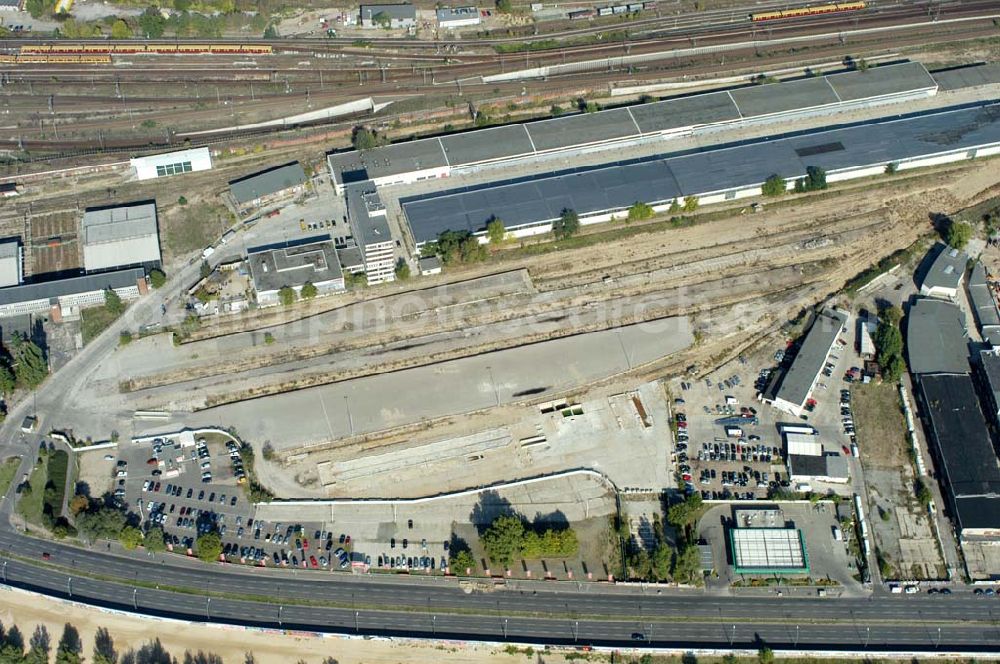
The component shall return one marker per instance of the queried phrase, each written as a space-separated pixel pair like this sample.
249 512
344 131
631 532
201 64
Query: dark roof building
274 182
984 305
936 340
967 463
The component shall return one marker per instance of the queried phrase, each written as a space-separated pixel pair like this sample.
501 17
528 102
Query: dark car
638 636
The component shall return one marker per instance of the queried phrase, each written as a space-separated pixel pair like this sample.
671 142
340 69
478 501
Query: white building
457 17
394 16
172 163
370 228
65 297
11 262
804 444
946 273
120 236
312 261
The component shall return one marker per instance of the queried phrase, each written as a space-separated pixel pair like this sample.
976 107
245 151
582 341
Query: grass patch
8 469
194 226
30 504
58 470
880 425
95 320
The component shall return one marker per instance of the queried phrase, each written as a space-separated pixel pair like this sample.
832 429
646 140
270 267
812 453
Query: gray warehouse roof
960 434
267 182
10 262
936 338
457 13
794 384
710 169
50 290
633 122
833 466
968 77
370 228
121 235
947 269
398 11
982 302
312 260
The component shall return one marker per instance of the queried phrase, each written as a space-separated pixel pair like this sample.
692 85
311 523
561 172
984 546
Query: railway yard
396 287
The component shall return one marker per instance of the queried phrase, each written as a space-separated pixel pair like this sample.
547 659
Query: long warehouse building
713 174
437 157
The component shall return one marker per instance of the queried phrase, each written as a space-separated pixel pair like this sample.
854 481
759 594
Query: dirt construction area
902 528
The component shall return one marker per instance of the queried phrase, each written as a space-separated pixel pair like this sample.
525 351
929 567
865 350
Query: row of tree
815 180
889 344
69 650
665 562
509 538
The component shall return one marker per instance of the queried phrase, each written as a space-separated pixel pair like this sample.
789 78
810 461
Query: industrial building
395 16
120 236
64 298
438 157
830 467
457 17
966 461
789 390
936 341
11 262
767 550
171 163
370 228
265 187
984 305
946 272
987 371
293 265
712 175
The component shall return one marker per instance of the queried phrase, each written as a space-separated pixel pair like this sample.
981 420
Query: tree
35 7
157 278
894 368
154 540
113 302
774 186
78 503
687 564
268 338
13 646
271 32
30 365
923 493
39 646
182 5
205 270
765 655
70 648
556 110
891 168
7 380
815 178
286 295
675 207
120 30
104 648
495 231
151 23
505 6
130 537
402 269
566 225
209 547
124 338
957 234
503 539
461 561
363 138
101 522
640 211
308 291
690 203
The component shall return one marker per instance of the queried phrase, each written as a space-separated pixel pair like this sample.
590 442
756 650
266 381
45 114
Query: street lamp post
208 608
135 599
69 586
357 628
5 571
280 608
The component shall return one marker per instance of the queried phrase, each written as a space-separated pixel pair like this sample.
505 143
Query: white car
145 485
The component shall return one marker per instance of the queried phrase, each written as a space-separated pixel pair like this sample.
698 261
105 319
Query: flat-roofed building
936 341
11 262
64 298
172 163
946 272
768 551
120 236
457 17
293 265
370 229
800 443
394 16
789 391
269 186
984 305
823 468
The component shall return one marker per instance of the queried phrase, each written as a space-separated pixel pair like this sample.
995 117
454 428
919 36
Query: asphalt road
544 613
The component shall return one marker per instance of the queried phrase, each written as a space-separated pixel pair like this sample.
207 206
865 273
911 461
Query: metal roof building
120 236
395 16
457 17
172 163
936 341
75 292
984 305
967 463
768 551
439 156
822 468
946 272
989 373
803 444
790 390
713 174
11 261
273 182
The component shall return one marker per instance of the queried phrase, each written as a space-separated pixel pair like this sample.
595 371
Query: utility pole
69 586
5 571
357 627
208 608
135 599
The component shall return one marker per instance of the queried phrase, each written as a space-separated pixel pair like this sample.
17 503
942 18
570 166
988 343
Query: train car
807 11
649 5
619 9
604 11
635 7
581 14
